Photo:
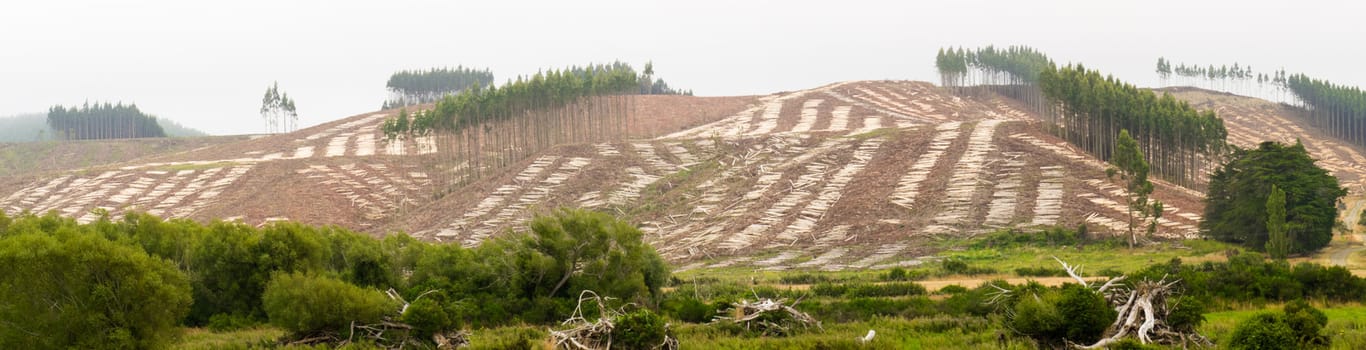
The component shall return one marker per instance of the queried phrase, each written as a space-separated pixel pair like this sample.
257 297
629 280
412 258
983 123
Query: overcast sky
207 65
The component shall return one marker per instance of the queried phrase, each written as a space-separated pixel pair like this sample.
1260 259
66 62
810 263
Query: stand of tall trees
1180 142
1089 110
1012 72
1237 79
414 87
486 128
1338 110
102 121
278 110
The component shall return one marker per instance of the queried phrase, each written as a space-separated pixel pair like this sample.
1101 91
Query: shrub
427 317
1264 331
1040 272
805 278
81 291
304 304
1073 313
1085 314
1306 322
690 310
1186 313
956 266
638 330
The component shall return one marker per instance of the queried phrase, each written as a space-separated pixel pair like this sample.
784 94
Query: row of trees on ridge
1089 109
414 87
102 121
1237 78
486 128
1338 110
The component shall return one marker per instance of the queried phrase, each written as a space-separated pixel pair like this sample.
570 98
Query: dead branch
771 317
583 334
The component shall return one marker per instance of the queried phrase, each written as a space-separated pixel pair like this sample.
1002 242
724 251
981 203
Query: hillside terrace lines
967 178
29 196
831 193
839 119
1183 230
685 158
190 189
809 115
797 192
908 188
870 123
210 192
761 158
1004 197
1048 202
372 188
498 197
162 189
76 195
542 191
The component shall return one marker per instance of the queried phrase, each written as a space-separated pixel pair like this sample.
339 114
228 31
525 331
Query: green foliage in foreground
1236 206
304 304
1297 327
72 289
130 283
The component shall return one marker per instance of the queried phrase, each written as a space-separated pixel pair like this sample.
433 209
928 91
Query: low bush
638 330
306 304
857 290
1040 272
898 274
688 309
956 266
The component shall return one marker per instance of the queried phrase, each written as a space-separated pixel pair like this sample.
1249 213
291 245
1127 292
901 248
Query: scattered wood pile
771 317
1143 308
583 334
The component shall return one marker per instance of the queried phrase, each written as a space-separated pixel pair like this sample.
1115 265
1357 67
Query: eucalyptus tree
1179 141
1338 110
278 110
485 128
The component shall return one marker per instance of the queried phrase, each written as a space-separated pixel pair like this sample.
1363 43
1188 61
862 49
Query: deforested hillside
847 175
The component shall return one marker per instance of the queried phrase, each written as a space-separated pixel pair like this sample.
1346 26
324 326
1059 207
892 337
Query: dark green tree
1235 207
1278 238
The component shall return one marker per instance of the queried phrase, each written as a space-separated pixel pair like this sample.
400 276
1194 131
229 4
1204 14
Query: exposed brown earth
843 176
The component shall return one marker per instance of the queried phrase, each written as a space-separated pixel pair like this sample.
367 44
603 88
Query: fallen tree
1142 310
598 334
771 317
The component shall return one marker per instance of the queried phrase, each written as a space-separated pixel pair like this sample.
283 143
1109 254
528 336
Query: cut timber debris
583 334
1142 308
771 317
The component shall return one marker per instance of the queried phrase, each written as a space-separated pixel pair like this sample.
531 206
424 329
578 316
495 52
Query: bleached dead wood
753 316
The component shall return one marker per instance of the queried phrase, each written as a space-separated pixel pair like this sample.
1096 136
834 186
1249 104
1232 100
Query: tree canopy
414 87
102 121
278 110
1236 204
1089 109
1179 140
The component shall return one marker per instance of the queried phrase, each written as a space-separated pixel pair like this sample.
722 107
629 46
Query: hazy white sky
207 65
